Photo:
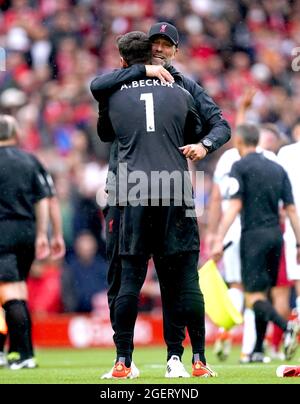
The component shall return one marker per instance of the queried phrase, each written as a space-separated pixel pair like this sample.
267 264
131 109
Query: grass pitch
70 366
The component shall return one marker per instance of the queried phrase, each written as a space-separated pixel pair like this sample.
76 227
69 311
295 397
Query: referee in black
23 227
152 123
257 187
57 243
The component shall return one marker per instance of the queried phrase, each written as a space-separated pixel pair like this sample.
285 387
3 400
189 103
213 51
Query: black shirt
151 121
261 184
214 127
22 184
45 178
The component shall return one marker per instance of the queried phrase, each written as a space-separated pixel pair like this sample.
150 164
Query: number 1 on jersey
148 98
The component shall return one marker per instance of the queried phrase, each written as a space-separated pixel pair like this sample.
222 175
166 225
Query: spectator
84 275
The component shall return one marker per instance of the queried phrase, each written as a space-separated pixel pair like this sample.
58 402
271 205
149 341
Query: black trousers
182 300
112 219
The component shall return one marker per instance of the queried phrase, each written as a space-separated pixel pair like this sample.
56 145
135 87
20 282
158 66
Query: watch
208 144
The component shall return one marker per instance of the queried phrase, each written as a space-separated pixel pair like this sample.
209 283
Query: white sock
298 305
237 298
249 332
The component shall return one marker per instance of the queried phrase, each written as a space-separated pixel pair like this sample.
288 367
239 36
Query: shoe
120 371
15 362
3 361
291 339
259 357
288 371
222 346
244 359
200 370
277 355
135 373
175 368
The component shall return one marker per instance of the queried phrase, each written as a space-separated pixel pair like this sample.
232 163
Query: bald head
8 128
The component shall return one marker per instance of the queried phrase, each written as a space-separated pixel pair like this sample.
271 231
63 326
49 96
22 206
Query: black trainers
15 362
291 339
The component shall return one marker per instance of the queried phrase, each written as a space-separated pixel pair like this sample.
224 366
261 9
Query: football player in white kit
289 158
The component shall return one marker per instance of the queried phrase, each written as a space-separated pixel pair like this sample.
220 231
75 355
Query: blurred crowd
53 49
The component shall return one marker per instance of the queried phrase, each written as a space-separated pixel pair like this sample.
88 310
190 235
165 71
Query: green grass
70 366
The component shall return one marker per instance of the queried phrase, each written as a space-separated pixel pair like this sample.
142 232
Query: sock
261 324
2 341
124 359
270 313
19 327
249 332
265 312
199 357
31 352
237 298
298 305
276 337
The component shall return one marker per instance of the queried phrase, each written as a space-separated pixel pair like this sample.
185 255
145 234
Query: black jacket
214 126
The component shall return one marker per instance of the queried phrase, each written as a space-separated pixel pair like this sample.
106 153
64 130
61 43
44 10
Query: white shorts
232 262
292 268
